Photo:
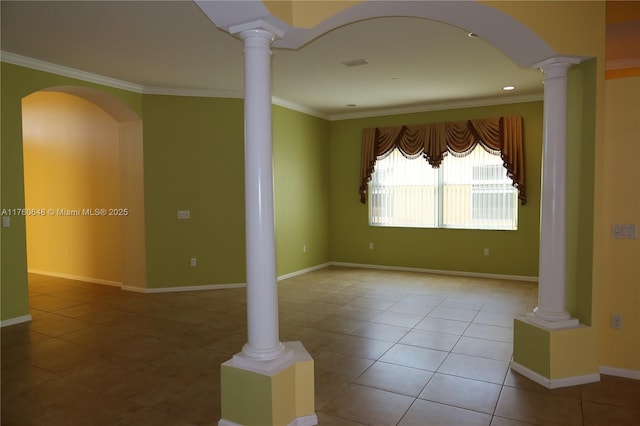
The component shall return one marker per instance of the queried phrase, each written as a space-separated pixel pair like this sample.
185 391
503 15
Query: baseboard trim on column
15 320
311 420
619 372
556 383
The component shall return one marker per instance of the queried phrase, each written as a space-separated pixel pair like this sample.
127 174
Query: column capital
557 66
258 28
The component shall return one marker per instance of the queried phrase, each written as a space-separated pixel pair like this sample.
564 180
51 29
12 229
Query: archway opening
83 183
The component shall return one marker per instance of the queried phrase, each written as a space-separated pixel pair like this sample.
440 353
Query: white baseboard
76 277
218 286
556 383
310 420
185 288
620 372
304 271
16 320
438 271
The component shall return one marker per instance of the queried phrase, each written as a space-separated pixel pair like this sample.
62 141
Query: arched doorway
83 182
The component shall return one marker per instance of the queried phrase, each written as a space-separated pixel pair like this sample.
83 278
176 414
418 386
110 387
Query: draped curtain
500 136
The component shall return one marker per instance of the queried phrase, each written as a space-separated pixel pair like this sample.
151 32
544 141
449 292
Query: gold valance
500 136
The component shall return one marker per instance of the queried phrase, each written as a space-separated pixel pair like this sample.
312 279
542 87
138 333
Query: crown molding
201 93
300 108
37 64
438 107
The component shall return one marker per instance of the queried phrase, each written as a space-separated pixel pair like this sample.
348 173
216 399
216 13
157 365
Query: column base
277 392
554 357
532 318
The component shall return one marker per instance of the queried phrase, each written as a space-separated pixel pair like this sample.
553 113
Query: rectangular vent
356 62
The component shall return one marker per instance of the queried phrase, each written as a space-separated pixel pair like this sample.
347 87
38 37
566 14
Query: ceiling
173 47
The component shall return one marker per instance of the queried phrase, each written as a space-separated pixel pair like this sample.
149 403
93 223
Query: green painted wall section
193 160
246 396
581 151
301 175
531 347
511 252
17 82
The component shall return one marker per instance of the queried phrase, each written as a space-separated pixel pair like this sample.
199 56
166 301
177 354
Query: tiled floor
390 348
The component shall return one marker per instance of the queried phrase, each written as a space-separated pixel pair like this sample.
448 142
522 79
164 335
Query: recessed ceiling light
508 88
395 78
351 105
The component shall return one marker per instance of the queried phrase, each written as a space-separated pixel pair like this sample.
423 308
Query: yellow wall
306 13
71 159
620 290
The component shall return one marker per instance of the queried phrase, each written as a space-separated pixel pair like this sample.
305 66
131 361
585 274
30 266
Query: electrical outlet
184 214
194 261
486 252
370 246
616 321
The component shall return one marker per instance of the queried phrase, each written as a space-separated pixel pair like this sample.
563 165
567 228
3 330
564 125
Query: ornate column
268 382
262 292
551 311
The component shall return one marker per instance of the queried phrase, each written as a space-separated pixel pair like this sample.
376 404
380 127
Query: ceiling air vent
356 62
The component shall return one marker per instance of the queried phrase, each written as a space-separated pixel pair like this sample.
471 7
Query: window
472 192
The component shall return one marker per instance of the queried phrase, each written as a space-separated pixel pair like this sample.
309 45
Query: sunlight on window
471 192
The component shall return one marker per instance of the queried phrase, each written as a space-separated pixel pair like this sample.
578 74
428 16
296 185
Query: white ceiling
166 45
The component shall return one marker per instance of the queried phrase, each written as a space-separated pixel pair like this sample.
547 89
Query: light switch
184 214
6 221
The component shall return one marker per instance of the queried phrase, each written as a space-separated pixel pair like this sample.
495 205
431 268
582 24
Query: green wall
301 169
193 160
581 146
511 252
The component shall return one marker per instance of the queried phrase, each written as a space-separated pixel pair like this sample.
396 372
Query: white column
551 310
262 294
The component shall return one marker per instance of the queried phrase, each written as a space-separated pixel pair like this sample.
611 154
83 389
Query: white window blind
470 192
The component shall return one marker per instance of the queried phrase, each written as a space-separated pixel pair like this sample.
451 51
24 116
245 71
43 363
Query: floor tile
501 421
490 332
398 319
460 392
368 405
430 340
601 414
416 357
471 367
453 314
424 413
326 419
502 319
360 346
388 333
416 304
339 367
473 303
484 348
395 378
443 325
614 391
538 408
